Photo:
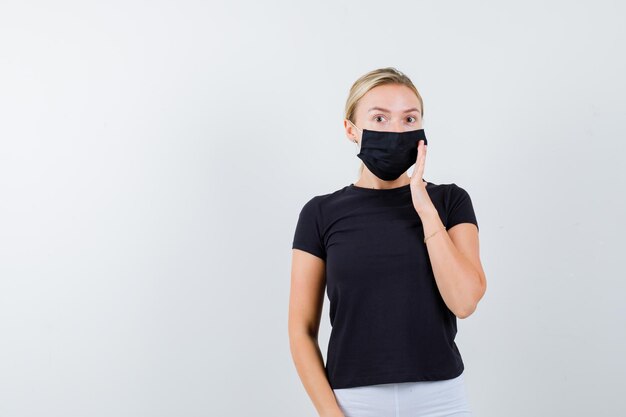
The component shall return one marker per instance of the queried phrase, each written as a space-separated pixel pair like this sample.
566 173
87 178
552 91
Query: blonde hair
365 83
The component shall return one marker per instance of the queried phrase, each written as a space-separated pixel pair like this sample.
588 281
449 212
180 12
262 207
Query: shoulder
456 190
456 196
451 189
319 201
450 196
458 206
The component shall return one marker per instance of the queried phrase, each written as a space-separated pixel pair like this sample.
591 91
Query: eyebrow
387 111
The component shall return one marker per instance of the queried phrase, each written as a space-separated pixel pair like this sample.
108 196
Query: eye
411 117
377 117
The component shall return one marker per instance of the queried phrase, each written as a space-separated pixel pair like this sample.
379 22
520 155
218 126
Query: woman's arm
455 258
308 282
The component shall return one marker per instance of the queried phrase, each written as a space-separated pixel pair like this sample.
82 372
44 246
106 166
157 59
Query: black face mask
389 154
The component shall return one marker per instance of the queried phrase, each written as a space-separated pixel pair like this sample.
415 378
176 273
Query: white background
154 157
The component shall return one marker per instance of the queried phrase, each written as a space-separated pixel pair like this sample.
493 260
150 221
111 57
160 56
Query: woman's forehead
389 99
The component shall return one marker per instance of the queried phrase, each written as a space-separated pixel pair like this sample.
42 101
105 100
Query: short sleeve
459 207
308 234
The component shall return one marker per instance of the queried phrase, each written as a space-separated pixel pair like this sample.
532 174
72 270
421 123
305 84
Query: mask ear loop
356 143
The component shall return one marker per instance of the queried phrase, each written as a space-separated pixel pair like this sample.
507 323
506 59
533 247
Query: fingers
421 159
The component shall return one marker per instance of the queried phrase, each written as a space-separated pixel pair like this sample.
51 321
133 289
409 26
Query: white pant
445 398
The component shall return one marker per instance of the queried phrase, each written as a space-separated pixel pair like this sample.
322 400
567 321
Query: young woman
399 257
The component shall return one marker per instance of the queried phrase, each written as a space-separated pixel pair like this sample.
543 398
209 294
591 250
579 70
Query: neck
369 180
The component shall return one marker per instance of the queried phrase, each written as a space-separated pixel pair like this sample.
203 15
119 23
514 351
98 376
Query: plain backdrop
155 155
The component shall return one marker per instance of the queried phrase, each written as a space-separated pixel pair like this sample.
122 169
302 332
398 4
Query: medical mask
389 154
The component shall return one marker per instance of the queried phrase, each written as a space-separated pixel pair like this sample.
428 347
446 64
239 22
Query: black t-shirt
389 321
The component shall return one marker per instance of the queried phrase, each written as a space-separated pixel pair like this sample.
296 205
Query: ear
351 133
